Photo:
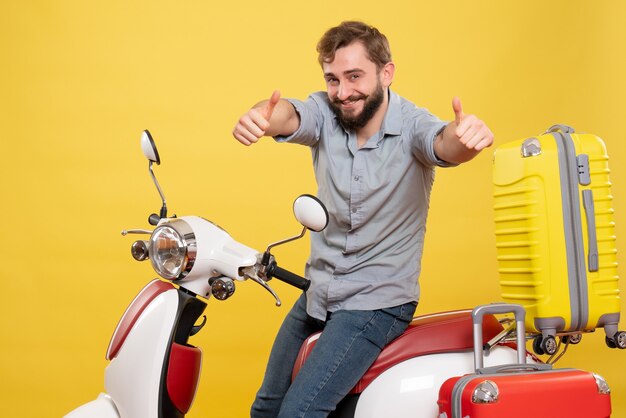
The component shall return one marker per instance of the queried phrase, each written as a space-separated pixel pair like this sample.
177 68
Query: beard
371 104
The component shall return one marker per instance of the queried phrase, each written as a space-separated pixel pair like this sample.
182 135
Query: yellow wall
80 80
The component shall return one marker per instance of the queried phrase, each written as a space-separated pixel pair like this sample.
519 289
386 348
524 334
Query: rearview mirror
310 212
149 147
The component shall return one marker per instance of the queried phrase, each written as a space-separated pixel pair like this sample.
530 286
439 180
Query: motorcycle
153 371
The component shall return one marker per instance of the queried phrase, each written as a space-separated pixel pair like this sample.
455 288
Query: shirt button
356 178
354 210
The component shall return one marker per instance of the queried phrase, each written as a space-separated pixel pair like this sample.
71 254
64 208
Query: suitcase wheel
537 346
571 339
618 340
545 345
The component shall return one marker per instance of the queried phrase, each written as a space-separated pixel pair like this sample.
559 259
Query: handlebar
287 277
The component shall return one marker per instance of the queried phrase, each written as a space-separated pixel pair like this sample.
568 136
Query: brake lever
136 231
251 274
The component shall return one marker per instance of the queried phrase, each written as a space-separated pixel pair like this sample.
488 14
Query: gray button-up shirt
377 198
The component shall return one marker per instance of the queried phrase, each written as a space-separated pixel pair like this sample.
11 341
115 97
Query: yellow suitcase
555 235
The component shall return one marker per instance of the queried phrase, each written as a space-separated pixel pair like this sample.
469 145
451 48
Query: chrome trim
486 392
140 250
188 238
251 273
603 386
222 288
136 231
156 183
531 148
269 247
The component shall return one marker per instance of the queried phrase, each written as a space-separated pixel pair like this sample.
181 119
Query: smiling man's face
354 85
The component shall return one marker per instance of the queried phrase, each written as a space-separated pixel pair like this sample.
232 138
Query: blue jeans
350 343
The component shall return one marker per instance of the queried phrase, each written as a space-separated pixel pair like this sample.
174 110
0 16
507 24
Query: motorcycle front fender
102 407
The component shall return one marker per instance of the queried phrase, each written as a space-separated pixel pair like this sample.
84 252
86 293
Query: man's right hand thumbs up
254 123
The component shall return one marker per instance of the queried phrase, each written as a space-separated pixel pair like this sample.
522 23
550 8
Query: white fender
102 407
133 377
411 388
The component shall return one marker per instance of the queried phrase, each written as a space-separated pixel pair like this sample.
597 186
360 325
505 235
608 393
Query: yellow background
80 80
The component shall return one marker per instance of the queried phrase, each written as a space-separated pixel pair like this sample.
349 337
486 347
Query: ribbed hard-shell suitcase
521 390
555 234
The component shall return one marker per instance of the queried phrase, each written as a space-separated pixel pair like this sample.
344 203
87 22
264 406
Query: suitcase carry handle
498 308
512 368
592 245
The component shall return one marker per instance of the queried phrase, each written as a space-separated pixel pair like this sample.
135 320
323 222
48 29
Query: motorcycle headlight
173 249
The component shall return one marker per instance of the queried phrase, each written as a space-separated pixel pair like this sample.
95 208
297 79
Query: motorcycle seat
428 334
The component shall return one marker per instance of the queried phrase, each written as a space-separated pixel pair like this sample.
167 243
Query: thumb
458 110
269 108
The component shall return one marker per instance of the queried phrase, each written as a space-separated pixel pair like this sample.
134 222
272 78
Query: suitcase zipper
572 224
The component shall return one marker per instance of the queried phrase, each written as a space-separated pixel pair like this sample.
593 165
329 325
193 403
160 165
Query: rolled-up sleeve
308 132
426 127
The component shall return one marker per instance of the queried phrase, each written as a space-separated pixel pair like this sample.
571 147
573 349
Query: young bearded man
374 155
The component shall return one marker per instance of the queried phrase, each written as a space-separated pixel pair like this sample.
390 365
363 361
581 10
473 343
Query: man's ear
386 74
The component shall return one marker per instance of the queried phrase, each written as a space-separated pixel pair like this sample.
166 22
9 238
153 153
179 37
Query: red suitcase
521 390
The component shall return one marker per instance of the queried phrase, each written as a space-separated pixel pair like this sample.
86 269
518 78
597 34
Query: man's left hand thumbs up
469 130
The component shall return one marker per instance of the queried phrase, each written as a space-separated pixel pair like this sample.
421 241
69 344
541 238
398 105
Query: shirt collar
392 123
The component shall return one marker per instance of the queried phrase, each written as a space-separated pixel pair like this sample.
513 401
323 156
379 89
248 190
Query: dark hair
375 43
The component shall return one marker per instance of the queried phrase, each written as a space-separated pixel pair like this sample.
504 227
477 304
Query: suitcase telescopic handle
560 128
498 308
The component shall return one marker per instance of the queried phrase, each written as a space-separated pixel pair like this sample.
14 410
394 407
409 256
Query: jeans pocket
402 316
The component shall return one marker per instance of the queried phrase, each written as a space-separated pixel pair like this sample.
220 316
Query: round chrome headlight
173 249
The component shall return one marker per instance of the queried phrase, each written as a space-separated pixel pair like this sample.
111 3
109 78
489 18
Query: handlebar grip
289 277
